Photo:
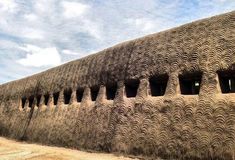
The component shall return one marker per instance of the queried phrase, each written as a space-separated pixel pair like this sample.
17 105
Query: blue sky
39 34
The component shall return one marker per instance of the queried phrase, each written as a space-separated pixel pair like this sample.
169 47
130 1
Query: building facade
169 95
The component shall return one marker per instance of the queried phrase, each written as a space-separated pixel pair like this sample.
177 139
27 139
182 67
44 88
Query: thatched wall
169 126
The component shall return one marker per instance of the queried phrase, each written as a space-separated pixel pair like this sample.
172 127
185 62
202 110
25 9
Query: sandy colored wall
170 126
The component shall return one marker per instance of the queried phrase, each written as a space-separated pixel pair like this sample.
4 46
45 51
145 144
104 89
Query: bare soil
13 150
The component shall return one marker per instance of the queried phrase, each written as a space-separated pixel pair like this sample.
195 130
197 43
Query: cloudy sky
39 34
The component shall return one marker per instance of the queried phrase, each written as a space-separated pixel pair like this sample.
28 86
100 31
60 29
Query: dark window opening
94 92
31 99
227 81
38 100
56 97
190 83
79 94
23 101
67 96
111 90
46 98
131 87
158 85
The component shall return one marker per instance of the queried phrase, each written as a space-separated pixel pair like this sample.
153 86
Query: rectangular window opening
158 85
111 90
46 99
79 94
227 81
31 99
94 92
67 96
190 83
56 97
23 101
38 100
131 87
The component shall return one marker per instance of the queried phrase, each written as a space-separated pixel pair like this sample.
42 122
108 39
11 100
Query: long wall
143 106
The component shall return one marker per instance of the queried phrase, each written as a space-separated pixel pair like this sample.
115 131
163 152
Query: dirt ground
12 150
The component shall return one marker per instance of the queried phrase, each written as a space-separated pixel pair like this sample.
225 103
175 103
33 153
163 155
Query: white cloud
143 24
7 5
30 48
30 17
74 9
69 52
32 33
43 6
223 1
7 44
38 57
92 28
